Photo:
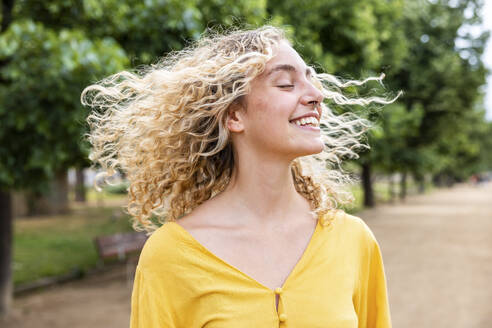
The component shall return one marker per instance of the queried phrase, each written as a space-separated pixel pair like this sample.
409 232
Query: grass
52 246
94 196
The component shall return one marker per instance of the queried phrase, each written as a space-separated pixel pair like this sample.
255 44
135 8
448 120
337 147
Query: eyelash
286 86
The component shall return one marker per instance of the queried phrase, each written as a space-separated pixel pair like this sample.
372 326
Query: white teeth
307 121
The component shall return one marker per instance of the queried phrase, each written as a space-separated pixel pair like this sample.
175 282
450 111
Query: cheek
273 108
268 114
267 118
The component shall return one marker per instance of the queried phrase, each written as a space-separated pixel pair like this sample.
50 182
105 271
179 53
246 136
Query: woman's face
279 98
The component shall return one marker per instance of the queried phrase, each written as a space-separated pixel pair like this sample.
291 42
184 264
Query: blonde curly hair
165 127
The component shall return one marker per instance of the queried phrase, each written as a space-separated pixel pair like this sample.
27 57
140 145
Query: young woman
233 160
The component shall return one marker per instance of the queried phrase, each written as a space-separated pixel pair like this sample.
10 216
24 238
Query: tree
349 38
42 73
441 76
146 30
465 152
390 151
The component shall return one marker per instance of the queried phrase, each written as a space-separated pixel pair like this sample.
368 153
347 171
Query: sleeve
149 306
371 299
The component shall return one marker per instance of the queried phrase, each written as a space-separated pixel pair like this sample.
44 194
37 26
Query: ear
235 116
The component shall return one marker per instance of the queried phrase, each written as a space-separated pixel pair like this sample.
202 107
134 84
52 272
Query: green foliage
348 38
42 119
464 151
389 139
441 77
485 163
145 29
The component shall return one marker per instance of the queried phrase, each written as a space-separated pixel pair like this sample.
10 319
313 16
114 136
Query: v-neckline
296 268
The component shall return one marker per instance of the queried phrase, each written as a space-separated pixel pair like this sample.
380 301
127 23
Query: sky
487 56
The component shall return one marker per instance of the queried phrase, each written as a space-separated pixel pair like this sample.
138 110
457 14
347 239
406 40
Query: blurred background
67 252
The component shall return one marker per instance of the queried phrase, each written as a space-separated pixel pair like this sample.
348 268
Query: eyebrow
287 68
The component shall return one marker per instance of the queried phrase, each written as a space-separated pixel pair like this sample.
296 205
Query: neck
262 189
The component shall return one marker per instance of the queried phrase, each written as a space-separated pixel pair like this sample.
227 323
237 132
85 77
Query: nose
312 96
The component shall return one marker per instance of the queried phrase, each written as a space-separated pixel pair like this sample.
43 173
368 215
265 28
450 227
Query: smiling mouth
307 122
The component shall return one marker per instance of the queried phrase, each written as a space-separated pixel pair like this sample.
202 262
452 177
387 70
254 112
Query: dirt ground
437 252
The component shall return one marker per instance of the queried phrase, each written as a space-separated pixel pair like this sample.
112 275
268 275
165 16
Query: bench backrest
120 244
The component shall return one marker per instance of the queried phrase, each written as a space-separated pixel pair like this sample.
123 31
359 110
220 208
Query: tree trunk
5 252
80 185
367 185
59 196
403 186
391 187
437 180
55 201
421 183
7 8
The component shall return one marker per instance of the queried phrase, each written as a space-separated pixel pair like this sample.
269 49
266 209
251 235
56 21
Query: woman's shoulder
351 225
160 248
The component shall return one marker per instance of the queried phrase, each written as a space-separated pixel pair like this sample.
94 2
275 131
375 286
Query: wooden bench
123 247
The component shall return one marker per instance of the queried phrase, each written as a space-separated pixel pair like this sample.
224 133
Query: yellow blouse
338 282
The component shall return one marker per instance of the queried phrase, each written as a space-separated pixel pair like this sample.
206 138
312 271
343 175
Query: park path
437 252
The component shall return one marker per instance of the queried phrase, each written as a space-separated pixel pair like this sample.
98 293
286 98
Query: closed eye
285 86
